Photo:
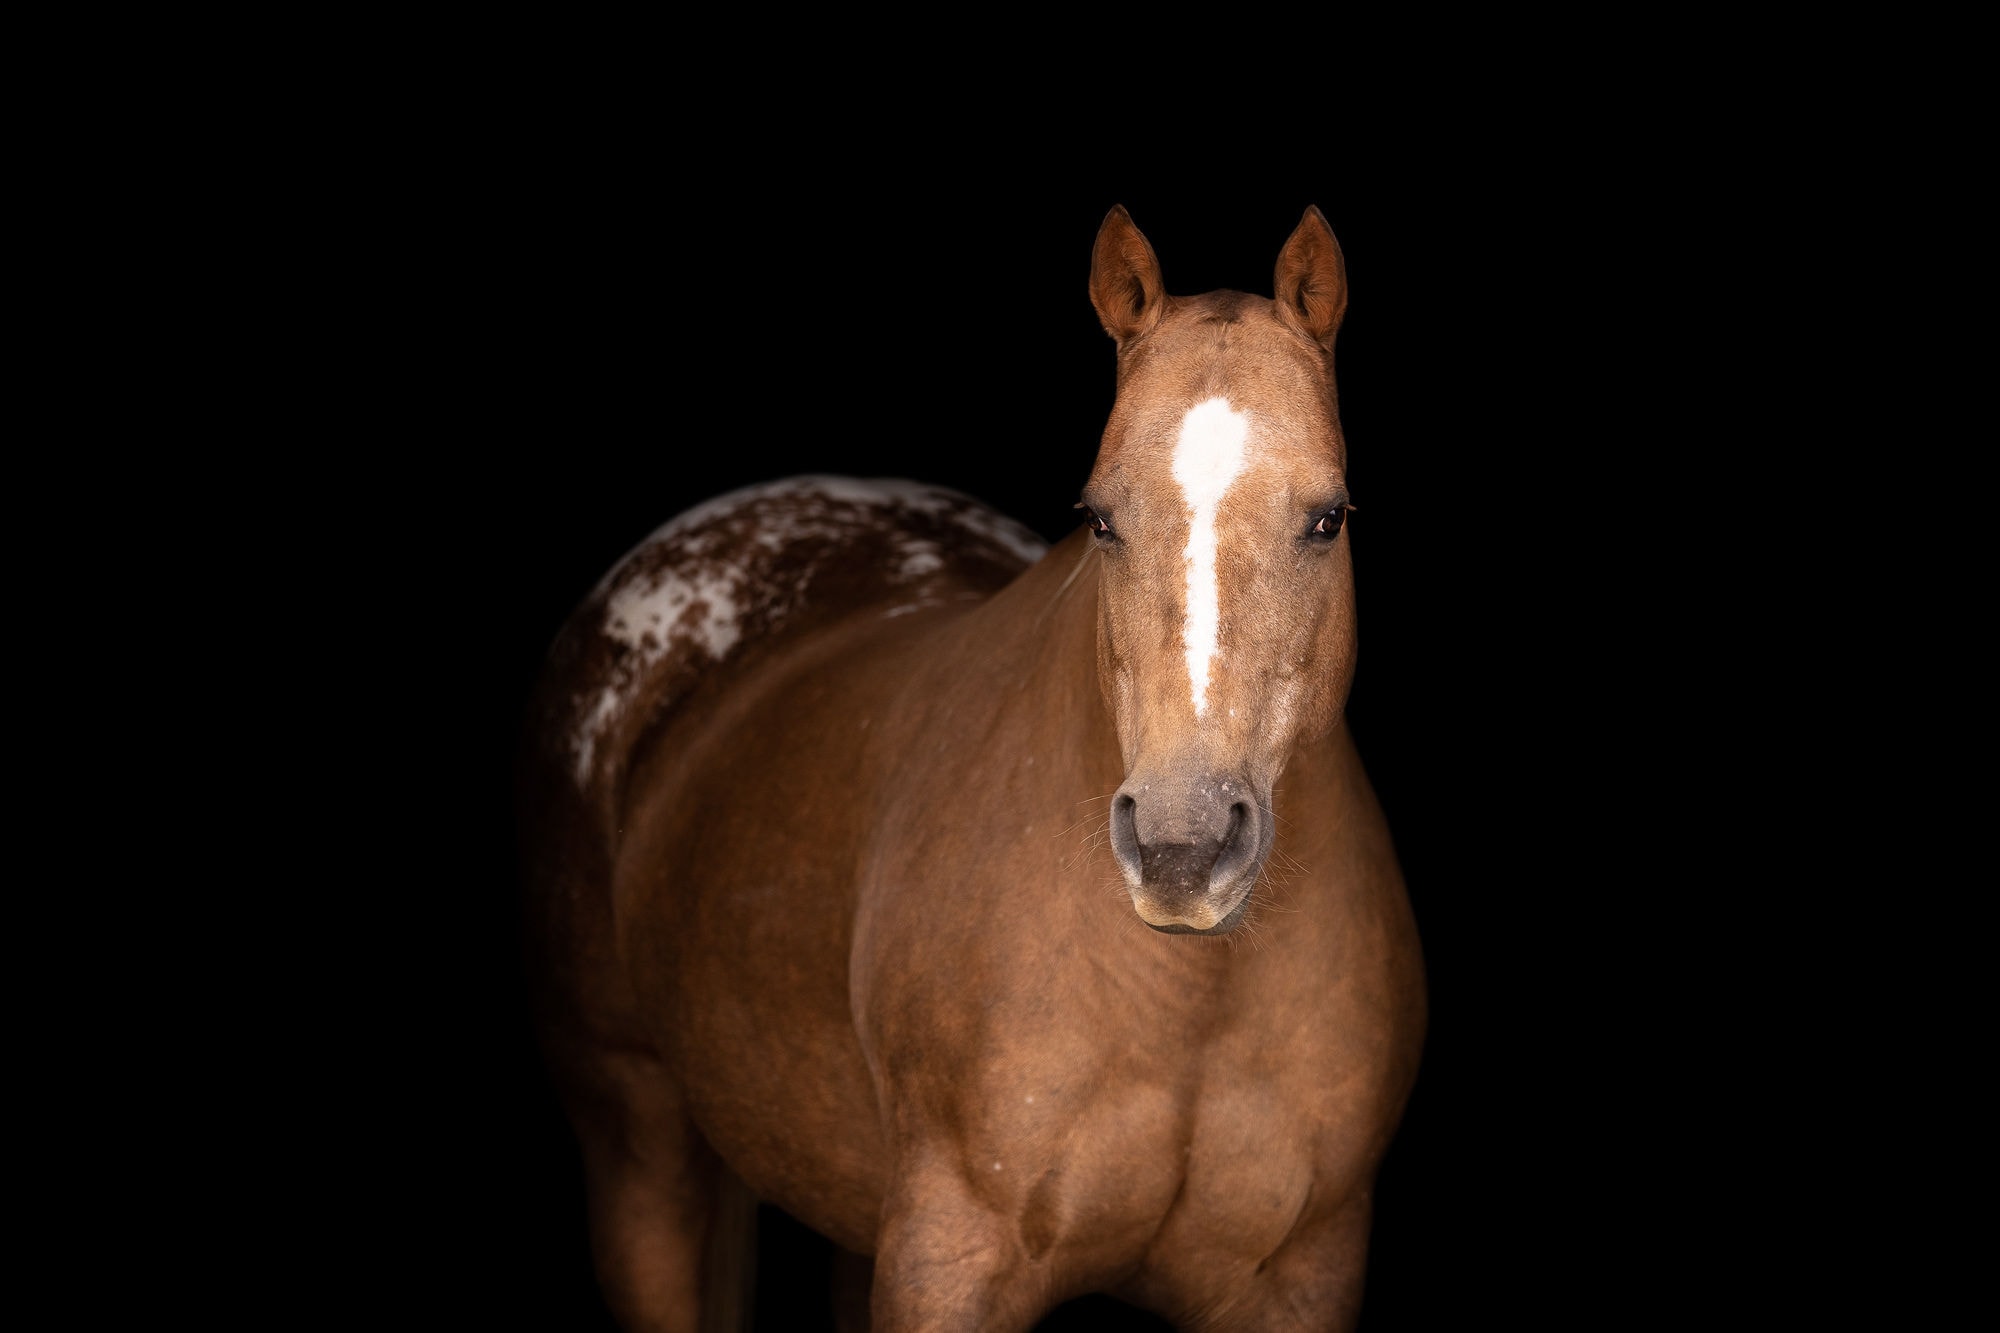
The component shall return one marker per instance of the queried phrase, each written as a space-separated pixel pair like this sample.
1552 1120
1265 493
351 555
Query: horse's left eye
1329 523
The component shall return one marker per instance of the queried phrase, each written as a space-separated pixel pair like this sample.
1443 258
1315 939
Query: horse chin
1222 927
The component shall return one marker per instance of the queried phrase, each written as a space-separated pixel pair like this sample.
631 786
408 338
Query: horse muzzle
1190 851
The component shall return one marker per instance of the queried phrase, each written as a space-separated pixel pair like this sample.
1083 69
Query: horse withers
1020 919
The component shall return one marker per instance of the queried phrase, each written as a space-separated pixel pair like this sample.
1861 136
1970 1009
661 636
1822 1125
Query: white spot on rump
1208 457
638 609
919 558
593 724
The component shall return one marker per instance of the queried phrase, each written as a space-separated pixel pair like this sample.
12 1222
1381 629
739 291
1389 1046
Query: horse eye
1098 527
1329 523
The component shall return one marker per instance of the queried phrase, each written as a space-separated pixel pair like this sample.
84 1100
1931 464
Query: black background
592 330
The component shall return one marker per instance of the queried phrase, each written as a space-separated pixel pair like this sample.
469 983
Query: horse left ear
1311 286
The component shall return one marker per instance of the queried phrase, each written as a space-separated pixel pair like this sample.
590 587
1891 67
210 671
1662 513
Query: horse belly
737 891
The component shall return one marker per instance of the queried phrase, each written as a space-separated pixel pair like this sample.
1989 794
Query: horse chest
1111 1178
1110 1143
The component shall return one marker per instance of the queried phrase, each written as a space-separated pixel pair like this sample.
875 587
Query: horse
1019 918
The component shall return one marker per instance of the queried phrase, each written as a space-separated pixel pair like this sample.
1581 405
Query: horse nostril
1239 845
1125 835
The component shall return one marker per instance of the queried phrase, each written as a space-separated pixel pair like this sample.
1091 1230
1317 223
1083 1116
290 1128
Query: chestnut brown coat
1022 921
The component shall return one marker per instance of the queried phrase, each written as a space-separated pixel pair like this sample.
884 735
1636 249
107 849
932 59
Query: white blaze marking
1207 458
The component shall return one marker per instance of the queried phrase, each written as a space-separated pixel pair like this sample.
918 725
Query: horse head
1225 597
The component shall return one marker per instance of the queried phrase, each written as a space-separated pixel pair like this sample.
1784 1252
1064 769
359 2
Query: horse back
736 577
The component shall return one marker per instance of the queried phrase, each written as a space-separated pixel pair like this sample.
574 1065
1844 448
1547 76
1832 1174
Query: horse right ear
1125 283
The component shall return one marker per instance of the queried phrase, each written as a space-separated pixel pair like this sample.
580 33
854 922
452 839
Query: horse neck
1036 642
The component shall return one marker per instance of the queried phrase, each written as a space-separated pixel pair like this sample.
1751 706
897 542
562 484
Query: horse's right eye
1098 527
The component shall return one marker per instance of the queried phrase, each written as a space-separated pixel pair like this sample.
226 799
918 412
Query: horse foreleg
945 1262
853 1276
672 1231
1313 1281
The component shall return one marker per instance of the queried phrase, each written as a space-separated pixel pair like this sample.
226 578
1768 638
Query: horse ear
1311 286
1125 283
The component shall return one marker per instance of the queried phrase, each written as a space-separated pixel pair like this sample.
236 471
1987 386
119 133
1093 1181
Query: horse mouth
1222 927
